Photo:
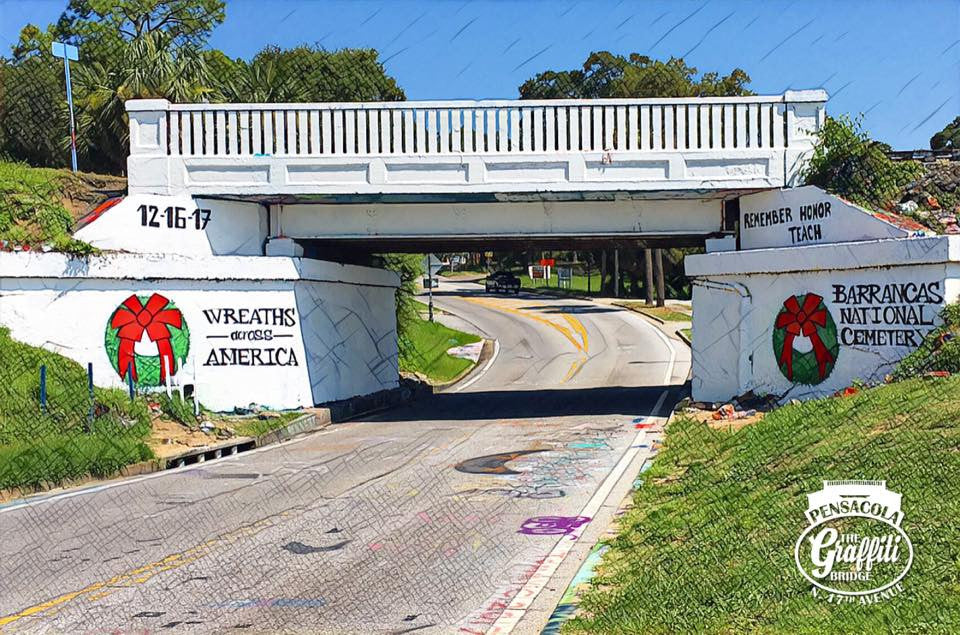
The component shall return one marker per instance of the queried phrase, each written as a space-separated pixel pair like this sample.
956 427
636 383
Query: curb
569 603
485 353
683 338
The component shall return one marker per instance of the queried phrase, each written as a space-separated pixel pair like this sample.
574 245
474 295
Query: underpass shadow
537 403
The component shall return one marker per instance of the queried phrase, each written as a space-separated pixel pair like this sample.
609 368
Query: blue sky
897 61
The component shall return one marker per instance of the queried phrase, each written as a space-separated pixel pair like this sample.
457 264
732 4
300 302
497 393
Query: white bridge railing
517 144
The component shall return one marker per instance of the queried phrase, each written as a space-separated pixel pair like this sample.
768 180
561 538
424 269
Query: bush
846 162
940 350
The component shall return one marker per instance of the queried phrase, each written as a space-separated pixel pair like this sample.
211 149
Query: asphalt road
399 522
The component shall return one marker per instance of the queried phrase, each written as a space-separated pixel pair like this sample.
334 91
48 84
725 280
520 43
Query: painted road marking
483 371
577 329
142 574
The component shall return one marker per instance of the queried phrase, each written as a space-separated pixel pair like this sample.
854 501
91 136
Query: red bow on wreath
803 320
133 318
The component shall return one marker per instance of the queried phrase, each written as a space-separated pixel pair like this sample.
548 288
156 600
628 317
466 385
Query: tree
948 138
605 75
144 68
306 73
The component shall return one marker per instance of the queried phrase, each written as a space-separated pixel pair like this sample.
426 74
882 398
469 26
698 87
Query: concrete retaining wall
870 303
281 332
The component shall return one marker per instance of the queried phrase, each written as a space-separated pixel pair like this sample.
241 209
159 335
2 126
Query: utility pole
430 286
68 52
648 275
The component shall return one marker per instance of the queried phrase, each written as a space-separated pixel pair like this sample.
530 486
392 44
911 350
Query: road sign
538 272
547 262
65 51
432 264
68 52
564 276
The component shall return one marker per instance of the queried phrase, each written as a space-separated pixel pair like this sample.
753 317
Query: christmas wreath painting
805 316
154 318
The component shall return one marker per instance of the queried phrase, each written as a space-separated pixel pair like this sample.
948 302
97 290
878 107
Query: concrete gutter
316 419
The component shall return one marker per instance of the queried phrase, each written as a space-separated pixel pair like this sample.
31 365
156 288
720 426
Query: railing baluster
669 125
313 124
740 119
367 134
656 124
456 127
407 133
550 128
765 141
753 123
716 127
728 136
174 128
777 114
503 130
562 139
350 131
620 127
575 113
538 129
326 132
608 123
339 128
596 128
391 134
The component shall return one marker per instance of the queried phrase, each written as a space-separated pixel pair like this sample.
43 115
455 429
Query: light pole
68 52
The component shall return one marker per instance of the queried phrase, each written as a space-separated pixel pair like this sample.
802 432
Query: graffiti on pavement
492 463
552 525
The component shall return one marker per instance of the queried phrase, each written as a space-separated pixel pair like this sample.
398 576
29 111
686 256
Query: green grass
708 547
50 447
254 427
688 333
31 211
578 283
425 352
665 313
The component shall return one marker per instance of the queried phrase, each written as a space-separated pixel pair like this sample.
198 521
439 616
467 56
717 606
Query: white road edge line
524 598
483 371
136 479
167 472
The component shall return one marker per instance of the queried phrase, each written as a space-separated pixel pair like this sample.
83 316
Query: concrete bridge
459 173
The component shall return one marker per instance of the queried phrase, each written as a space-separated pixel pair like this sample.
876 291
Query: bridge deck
693 145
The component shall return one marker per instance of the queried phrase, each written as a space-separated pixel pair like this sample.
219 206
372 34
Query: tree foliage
849 164
136 49
606 75
948 138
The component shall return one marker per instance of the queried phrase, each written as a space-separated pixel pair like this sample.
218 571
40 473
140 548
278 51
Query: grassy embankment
426 352
578 284
665 313
40 206
39 447
708 545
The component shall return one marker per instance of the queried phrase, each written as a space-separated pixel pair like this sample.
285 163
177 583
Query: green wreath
163 323
805 316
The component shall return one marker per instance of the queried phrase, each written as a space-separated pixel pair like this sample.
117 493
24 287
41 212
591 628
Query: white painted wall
334 323
738 295
665 216
179 224
807 216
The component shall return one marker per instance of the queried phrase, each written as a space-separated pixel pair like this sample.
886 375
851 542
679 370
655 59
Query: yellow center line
576 325
143 573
